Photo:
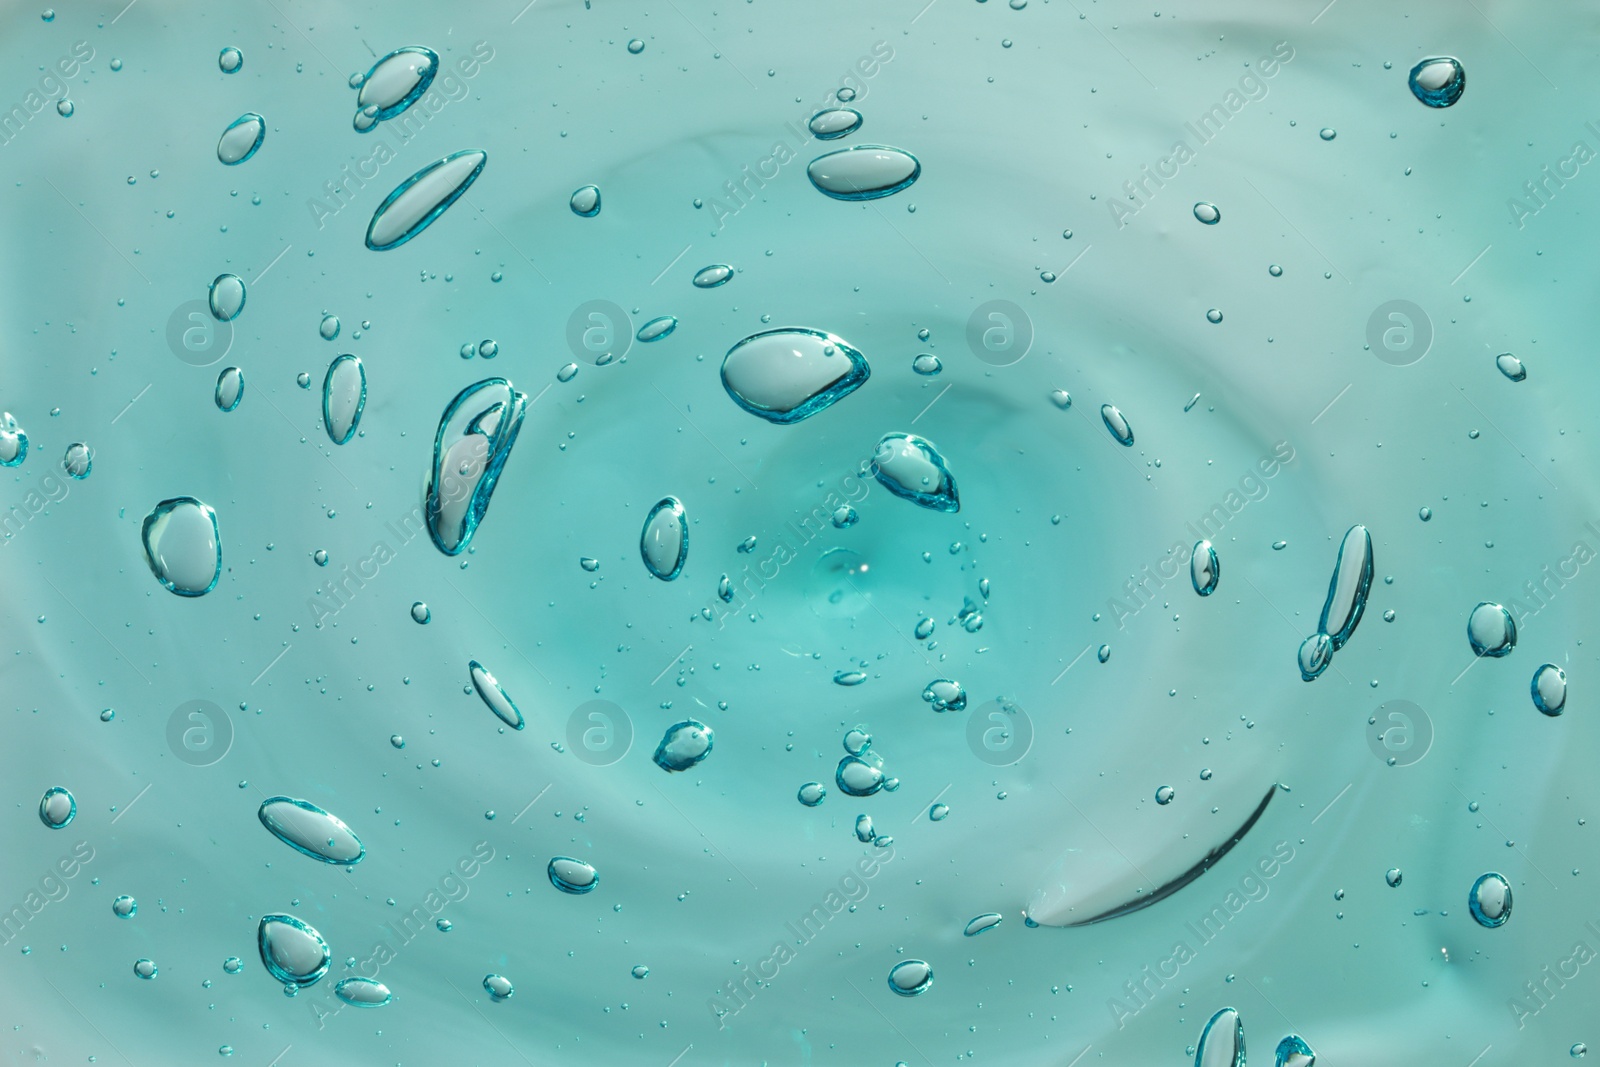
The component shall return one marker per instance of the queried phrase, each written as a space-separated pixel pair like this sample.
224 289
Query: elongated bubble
1292 1051
241 139
791 374
1348 588
292 951
1222 1041
1204 569
865 172
422 198
230 388
834 123
493 696
664 541
344 398
572 876
471 447
1117 423
362 992
911 468
397 81
182 546
311 831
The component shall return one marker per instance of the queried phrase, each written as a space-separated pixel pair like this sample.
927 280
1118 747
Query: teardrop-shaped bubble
911 468
1438 81
241 139
397 81
183 546
363 992
683 745
572 876
1117 423
1294 1052
13 441
865 172
1490 900
230 388
1204 569
834 123
790 374
498 986
945 695
811 794
911 978
311 831
1511 366
494 696
226 297
77 461
474 440
585 202
57 807
864 831
423 197
1316 652
1221 1042
344 398
1491 630
712 276
657 328
664 541
1550 689
981 923
292 952
858 778
1348 588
